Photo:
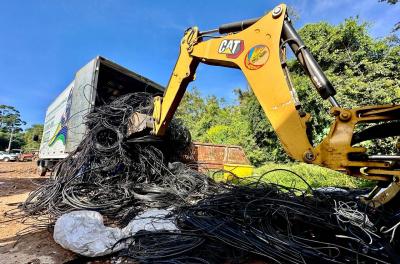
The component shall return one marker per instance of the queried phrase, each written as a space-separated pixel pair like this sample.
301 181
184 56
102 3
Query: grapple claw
379 196
139 122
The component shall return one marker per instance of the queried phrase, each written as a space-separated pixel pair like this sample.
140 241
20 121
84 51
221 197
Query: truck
7 156
99 82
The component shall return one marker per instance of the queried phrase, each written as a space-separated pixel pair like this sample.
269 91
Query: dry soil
17 179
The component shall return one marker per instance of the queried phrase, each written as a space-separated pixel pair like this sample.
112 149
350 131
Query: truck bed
98 82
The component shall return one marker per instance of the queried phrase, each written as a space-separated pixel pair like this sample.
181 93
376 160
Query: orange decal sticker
256 57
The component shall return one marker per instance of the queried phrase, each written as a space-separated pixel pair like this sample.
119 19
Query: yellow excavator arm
257 47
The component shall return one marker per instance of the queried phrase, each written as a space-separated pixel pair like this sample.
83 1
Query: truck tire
55 172
6 159
41 171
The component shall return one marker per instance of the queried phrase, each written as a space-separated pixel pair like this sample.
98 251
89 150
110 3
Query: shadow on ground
35 248
12 186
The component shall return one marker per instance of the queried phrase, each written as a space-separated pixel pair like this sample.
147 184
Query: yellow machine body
239 170
258 51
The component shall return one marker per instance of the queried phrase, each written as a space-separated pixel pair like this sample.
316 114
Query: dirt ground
17 179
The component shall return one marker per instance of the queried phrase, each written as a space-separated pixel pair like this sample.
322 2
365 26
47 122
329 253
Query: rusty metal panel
236 155
214 156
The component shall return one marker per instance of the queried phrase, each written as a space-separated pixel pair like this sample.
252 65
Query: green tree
265 144
211 120
365 71
10 124
35 130
200 114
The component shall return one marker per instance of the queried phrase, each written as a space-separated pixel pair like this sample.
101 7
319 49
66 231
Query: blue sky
44 42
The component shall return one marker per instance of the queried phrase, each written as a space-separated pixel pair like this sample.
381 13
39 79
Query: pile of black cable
272 224
119 176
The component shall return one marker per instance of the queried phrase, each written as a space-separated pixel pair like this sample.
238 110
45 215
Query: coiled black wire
240 221
119 176
263 222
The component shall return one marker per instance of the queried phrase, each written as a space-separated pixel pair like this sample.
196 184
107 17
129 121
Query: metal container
98 82
215 156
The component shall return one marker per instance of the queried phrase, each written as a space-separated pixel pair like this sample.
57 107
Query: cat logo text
231 47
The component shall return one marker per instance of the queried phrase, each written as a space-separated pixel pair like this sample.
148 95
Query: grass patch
315 176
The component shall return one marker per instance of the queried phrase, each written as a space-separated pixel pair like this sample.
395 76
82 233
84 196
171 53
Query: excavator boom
257 47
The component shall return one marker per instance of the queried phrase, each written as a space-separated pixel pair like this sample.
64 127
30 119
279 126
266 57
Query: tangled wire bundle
271 223
218 223
118 176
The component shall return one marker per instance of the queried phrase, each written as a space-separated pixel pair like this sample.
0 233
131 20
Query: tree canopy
11 123
29 143
10 127
10 118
